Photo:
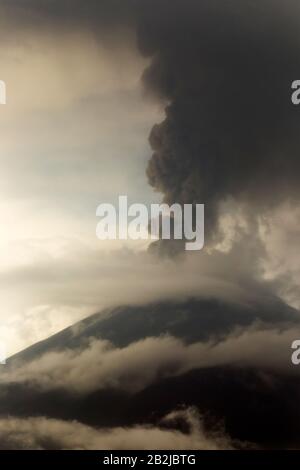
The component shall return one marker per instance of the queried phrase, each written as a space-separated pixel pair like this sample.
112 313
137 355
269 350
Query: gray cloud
100 365
43 433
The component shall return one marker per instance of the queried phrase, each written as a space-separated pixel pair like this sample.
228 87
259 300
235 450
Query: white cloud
100 365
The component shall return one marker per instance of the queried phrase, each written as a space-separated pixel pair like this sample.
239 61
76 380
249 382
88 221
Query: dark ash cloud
230 129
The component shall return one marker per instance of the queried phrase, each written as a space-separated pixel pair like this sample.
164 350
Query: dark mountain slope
192 320
254 405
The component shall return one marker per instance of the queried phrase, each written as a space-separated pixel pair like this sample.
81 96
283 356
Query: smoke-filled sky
87 84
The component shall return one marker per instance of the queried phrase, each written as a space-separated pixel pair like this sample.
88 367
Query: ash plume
230 131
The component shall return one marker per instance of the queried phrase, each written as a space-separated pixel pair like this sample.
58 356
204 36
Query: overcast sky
74 134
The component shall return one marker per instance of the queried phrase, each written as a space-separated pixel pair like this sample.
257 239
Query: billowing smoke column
225 70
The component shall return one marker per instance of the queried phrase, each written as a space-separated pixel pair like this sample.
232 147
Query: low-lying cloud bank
100 365
42 433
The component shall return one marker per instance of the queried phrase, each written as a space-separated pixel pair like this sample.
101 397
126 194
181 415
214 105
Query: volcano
255 404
